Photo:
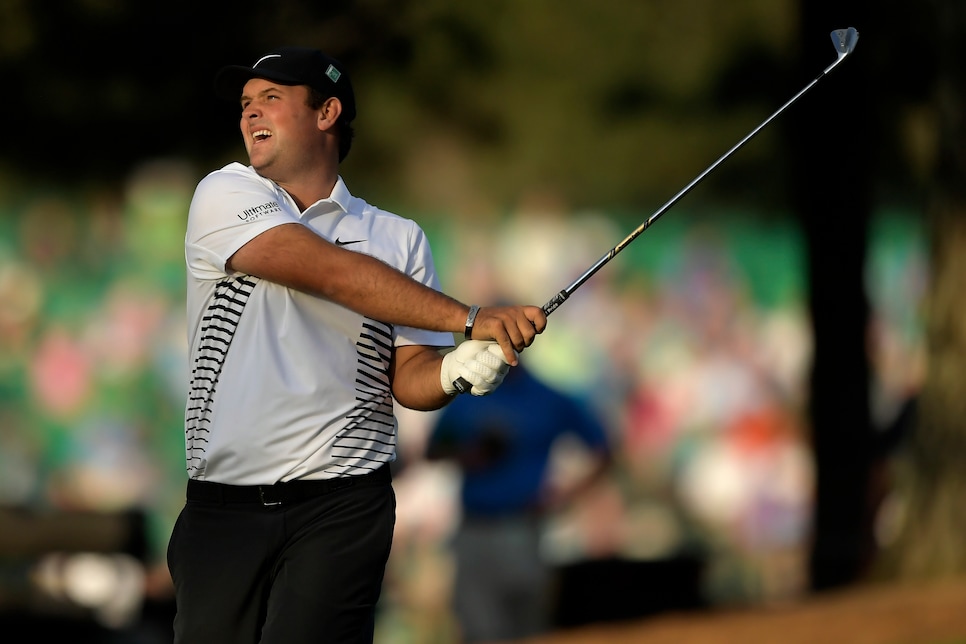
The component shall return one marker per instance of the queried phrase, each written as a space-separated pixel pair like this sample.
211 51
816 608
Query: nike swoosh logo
345 242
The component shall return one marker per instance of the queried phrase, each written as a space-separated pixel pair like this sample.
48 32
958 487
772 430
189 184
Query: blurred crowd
692 346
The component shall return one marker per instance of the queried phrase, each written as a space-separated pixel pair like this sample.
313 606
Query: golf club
844 41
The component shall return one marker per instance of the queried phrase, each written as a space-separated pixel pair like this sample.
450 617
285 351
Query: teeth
261 134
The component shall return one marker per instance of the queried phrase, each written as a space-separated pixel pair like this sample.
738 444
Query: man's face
277 126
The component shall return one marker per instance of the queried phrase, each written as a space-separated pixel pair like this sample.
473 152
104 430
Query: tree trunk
832 197
931 541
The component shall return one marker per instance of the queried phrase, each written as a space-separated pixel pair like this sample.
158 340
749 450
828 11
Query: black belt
284 492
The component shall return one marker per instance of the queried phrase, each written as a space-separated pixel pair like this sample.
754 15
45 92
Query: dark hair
346 131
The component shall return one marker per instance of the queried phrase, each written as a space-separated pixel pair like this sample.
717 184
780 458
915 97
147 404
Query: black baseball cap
292 66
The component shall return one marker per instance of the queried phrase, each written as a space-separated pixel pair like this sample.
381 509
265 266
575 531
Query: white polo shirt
285 385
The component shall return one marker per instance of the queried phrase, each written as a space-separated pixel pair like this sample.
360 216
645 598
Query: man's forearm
414 374
294 256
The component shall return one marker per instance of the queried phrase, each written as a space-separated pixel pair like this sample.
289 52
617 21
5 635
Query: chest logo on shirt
251 214
346 242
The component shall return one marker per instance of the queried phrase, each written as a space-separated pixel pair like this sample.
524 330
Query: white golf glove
478 362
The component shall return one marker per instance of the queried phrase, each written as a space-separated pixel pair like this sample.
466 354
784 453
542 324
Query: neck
307 192
306 177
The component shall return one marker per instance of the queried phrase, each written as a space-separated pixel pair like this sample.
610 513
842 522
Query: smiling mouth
261 135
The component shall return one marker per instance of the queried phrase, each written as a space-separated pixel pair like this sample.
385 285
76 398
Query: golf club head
844 40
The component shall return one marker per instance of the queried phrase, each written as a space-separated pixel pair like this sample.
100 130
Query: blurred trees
932 480
463 107
890 131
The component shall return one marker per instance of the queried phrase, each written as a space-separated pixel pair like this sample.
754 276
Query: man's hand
513 327
478 362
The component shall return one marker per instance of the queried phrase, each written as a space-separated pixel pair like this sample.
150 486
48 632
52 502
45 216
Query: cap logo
333 73
264 58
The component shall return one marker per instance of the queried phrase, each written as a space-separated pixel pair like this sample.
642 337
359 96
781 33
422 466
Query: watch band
470 319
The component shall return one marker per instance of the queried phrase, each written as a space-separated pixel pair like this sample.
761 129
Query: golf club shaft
562 296
844 41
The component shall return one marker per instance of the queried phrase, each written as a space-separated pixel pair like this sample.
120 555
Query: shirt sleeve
229 208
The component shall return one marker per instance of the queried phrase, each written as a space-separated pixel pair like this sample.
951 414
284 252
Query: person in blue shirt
503 444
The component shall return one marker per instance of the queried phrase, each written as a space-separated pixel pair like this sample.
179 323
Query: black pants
305 567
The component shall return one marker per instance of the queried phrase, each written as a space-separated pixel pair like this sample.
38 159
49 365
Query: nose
250 111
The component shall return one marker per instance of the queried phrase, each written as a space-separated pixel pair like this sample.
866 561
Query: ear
329 113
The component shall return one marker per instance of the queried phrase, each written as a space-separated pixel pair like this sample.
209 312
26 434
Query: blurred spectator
503 444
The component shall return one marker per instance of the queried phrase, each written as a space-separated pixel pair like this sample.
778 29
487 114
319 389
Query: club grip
462 385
